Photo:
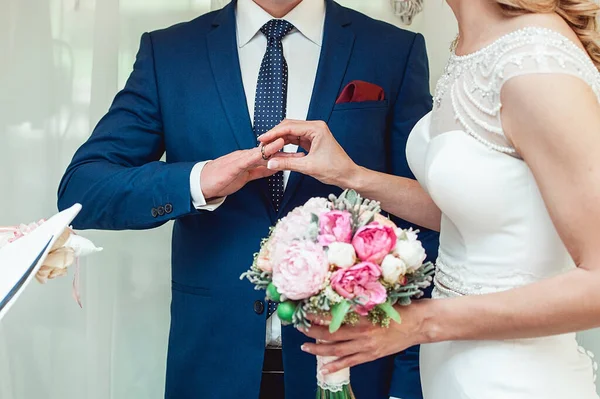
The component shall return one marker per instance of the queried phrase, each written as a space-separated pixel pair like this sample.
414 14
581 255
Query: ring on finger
262 152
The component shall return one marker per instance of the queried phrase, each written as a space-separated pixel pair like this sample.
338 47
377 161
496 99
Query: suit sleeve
413 102
117 174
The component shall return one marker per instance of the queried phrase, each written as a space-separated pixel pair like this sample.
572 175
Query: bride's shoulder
538 43
538 32
550 22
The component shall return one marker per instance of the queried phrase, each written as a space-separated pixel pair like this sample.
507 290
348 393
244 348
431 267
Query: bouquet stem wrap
335 385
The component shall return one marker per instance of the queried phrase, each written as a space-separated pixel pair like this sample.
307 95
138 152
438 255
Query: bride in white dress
508 169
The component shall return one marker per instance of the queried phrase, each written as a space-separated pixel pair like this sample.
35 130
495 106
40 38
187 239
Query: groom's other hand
228 174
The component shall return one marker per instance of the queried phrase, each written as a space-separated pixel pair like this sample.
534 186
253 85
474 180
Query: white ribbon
333 382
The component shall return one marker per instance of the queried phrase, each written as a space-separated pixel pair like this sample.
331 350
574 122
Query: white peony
341 254
392 269
316 206
409 249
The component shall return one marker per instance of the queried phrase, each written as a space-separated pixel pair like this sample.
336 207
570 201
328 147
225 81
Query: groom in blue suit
201 92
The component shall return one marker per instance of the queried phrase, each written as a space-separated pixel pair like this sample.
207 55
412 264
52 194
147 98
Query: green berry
285 311
273 294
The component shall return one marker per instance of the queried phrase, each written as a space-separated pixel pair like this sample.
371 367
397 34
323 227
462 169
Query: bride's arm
328 162
554 121
402 197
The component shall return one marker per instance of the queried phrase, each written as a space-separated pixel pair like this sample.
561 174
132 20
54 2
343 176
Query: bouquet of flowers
339 257
65 252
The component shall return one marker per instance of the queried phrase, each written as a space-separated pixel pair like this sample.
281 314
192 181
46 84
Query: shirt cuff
198 199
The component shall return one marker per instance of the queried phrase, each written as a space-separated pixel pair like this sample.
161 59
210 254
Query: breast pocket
361 129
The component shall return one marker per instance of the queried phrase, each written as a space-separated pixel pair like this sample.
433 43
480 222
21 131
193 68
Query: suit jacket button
154 212
160 210
168 208
259 307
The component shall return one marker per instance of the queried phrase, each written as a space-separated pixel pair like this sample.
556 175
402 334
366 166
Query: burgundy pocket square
359 91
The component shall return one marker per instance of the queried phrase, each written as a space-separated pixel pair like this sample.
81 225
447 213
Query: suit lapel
225 63
338 41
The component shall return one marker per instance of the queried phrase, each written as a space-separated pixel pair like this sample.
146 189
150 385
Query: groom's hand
228 174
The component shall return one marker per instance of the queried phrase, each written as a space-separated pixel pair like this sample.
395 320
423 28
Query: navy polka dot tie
271 308
271 93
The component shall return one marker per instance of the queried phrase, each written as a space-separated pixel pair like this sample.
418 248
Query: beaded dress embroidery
468 94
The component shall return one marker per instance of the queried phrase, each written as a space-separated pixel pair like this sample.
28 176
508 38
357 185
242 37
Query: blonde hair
581 15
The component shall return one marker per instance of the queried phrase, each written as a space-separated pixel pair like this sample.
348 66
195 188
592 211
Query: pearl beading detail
472 83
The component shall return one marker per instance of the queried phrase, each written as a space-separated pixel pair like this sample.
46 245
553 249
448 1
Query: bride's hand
326 160
365 342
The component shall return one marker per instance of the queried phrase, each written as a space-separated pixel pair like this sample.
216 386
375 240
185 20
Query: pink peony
296 225
360 283
335 226
300 270
373 242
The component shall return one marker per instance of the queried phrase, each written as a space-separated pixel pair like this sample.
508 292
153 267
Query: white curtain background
61 63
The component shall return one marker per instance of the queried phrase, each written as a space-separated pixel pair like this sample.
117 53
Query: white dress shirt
301 49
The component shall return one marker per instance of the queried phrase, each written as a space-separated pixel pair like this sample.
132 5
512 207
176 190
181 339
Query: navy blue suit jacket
185 98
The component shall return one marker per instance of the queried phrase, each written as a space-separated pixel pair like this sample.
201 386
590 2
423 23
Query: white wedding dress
496 233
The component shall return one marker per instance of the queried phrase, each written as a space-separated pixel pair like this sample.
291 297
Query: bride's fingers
289 155
295 140
299 129
319 319
295 164
318 332
345 333
340 349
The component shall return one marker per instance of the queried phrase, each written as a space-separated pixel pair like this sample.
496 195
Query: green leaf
314 218
351 196
338 313
389 310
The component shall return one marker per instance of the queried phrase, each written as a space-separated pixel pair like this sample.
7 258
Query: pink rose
300 270
360 283
335 226
373 242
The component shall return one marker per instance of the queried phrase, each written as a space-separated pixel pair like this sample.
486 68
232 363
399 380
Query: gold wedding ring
262 152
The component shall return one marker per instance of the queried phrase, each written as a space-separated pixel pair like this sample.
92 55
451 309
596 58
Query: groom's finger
259 172
258 156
